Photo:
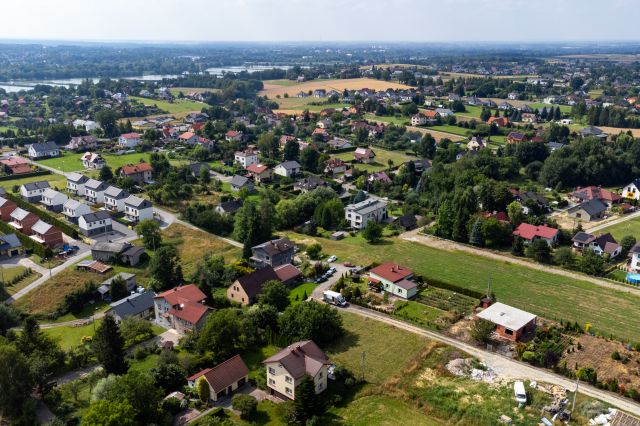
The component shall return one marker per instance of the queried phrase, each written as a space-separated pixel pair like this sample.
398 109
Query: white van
520 393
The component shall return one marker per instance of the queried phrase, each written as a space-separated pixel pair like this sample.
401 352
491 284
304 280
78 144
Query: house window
288 379
271 381
272 371
320 375
508 332
320 386
288 390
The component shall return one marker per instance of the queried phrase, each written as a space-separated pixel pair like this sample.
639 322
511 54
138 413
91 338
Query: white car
332 259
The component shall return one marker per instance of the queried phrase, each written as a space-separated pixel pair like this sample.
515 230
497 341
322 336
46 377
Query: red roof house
181 308
141 172
6 208
394 279
260 172
530 233
224 378
498 121
581 195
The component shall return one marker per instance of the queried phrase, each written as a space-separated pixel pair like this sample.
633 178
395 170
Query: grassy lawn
545 294
619 230
70 337
418 313
282 82
299 292
10 273
539 106
380 342
175 91
179 106
451 129
381 159
70 161
193 245
472 111
55 181
380 410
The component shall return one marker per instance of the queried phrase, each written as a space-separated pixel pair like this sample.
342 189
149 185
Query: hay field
273 89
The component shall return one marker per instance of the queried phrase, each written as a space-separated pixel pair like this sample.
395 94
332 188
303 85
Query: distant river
18 85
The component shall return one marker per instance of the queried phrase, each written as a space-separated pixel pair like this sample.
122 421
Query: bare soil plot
596 352
272 90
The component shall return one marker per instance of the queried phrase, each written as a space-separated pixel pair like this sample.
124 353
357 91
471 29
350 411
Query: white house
287 168
634 264
43 150
246 158
359 214
94 191
92 160
137 209
73 209
91 224
114 198
129 140
53 199
632 190
76 182
418 119
444 112
32 191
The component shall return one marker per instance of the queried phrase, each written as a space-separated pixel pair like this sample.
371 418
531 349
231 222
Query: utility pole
575 394
363 364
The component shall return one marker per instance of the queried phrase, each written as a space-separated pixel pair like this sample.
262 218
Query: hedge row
25 175
37 248
44 215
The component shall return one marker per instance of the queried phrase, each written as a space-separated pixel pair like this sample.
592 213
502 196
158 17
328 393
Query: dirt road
448 245
505 367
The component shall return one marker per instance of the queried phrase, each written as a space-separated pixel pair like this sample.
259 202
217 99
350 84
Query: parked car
520 393
334 298
332 259
348 264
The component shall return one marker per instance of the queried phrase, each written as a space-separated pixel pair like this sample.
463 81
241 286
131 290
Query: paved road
502 365
448 245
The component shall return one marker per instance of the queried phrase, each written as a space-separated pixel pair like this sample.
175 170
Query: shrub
246 404
616 356
529 356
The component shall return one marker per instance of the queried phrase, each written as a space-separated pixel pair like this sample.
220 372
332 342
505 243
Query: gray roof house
137 209
129 280
32 191
44 150
94 191
53 200
73 209
127 253
272 253
359 214
287 168
76 182
96 223
588 211
238 182
10 245
114 198
136 305
229 207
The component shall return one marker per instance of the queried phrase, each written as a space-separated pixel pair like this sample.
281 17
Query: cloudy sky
321 20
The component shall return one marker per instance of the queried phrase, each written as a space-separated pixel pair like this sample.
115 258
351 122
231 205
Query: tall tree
306 402
165 268
109 413
106 174
16 382
291 150
276 294
149 229
108 346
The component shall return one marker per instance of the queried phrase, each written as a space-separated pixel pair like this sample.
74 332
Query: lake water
18 85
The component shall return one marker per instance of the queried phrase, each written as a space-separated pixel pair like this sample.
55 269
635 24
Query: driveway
322 287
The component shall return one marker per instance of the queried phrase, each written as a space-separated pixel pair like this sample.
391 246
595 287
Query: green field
70 337
380 161
539 106
282 82
472 111
70 161
10 273
380 342
299 292
545 294
619 230
417 313
380 410
179 106
55 181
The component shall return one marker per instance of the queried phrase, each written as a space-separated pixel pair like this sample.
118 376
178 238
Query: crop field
179 106
545 294
272 90
381 159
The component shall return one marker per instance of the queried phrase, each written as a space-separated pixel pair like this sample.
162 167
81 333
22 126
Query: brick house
181 308
46 234
511 323
140 173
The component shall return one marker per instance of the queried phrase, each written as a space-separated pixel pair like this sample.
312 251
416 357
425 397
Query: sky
322 20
